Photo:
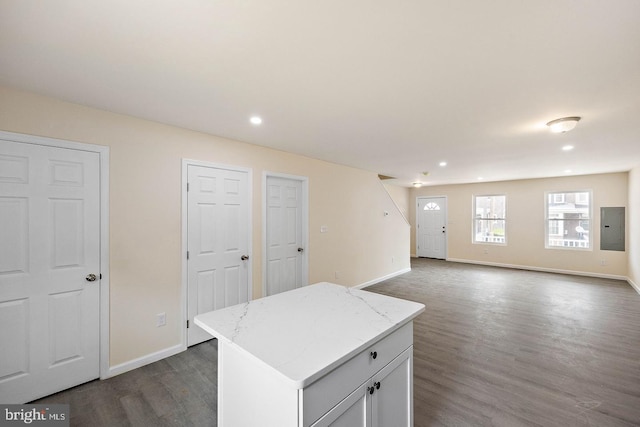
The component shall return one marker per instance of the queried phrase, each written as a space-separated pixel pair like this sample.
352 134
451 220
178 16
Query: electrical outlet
161 319
393 259
603 262
324 228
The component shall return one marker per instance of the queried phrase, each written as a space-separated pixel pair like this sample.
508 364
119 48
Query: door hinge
187 254
187 323
187 187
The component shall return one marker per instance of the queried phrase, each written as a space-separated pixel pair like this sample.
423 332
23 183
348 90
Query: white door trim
446 220
305 225
185 273
103 153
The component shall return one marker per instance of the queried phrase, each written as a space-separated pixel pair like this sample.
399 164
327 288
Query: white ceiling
393 87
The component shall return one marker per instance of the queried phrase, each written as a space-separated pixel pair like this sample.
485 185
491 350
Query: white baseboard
633 285
543 269
144 360
383 278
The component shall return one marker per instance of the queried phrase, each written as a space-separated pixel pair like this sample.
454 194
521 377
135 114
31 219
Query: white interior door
217 242
284 235
49 245
431 230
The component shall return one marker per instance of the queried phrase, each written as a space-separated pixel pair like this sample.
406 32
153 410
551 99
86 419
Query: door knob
300 250
91 277
244 257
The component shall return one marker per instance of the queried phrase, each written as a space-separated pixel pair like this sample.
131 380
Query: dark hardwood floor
501 347
495 347
180 390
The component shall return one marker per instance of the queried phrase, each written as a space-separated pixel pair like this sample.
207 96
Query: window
582 198
490 219
568 220
431 206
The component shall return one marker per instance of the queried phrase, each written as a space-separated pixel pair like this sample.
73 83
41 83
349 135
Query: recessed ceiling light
564 124
567 148
480 178
417 184
443 164
567 171
255 120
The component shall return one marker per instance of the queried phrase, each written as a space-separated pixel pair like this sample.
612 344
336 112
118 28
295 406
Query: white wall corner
634 285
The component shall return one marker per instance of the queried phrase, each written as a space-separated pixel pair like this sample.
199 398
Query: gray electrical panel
612 229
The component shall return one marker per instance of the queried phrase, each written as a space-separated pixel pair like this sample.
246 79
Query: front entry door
431 232
217 242
49 269
284 235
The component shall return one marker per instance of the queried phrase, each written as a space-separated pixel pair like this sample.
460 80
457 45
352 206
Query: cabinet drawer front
329 390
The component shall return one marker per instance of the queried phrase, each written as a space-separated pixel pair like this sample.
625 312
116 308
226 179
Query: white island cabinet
321 355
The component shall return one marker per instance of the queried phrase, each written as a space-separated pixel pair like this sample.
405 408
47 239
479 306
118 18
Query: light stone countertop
305 333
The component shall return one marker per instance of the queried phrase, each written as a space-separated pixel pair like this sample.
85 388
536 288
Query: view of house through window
490 218
568 220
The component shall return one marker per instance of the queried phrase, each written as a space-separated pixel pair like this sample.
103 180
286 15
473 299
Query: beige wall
525 223
400 196
362 244
633 219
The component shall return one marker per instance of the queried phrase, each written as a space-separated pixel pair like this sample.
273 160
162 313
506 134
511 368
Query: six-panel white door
217 242
431 230
49 245
285 251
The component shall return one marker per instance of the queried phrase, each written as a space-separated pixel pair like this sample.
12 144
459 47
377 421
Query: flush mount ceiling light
417 184
442 164
564 124
255 120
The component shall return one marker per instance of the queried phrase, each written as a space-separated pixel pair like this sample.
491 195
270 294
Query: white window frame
548 217
475 218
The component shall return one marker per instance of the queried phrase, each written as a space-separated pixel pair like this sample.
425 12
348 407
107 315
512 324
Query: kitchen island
319 355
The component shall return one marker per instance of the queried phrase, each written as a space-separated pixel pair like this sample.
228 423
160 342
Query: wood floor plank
495 347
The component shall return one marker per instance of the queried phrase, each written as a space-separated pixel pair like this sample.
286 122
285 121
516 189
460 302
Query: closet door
218 242
49 269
